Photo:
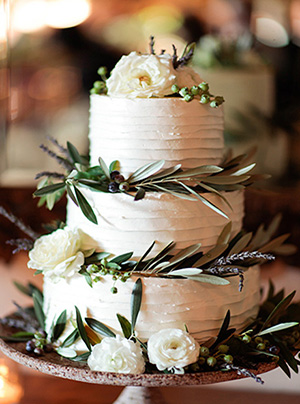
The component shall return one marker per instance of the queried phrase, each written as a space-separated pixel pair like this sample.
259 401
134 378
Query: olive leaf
135 303
70 339
49 189
99 327
73 153
59 326
185 272
66 352
125 325
213 280
183 254
121 258
104 167
276 328
81 329
145 171
211 255
278 310
38 309
224 237
241 244
85 206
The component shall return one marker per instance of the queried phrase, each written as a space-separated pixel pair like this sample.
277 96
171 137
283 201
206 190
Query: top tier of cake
143 130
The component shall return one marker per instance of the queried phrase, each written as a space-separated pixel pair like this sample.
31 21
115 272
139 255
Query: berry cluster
118 182
39 344
212 359
202 90
99 86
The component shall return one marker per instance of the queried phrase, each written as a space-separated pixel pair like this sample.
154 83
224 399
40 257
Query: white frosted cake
157 213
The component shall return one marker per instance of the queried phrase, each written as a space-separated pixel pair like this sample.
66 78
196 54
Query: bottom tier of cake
166 303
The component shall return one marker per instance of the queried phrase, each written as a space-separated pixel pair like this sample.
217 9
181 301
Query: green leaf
125 325
225 179
244 170
205 201
183 254
97 257
269 247
104 168
241 244
71 194
14 339
279 309
59 327
223 332
23 289
278 327
140 194
73 152
81 329
224 237
185 272
166 173
145 171
101 328
71 338
153 262
81 358
135 303
66 352
281 363
143 256
213 280
23 334
177 194
87 277
49 189
194 172
38 309
211 255
121 258
85 206
114 165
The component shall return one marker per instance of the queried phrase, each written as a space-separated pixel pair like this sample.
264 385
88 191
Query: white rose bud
172 348
118 355
57 254
142 76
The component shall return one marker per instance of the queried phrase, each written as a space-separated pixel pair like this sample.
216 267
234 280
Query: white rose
118 355
187 77
142 76
172 348
57 254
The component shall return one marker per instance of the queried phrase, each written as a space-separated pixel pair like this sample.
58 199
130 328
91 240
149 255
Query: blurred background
248 50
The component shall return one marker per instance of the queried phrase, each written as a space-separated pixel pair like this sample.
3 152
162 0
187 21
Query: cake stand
141 389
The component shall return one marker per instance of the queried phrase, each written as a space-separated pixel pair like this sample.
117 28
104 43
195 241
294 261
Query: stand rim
55 365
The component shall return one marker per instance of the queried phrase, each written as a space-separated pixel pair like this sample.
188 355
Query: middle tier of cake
125 225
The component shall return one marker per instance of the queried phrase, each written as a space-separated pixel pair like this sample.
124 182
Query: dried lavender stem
60 160
152 51
49 174
18 223
61 148
244 372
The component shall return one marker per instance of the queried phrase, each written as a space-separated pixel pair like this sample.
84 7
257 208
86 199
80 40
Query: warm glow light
270 32
10 389
295 20
29 16
67 13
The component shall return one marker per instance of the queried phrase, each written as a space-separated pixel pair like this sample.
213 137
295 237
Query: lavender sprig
62 149
63 162
220 270
22 244
244 372
243 256
152 51
49 174
18 223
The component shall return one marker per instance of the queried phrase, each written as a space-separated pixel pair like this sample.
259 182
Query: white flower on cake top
147 75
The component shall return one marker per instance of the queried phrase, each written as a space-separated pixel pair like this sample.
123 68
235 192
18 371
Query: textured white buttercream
166 303
126 225
140 131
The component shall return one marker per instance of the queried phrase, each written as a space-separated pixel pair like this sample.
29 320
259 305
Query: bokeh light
271 32
67 13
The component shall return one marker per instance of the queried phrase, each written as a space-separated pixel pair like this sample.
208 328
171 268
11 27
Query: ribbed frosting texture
140 131
166 303
126 225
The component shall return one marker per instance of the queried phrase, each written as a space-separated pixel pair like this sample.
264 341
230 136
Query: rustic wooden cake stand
142 389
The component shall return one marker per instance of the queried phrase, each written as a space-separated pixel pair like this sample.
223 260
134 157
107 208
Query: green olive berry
211 361
261 346
204 99
228 358
195 90
93 91
223 348
102 71
203 86
99 85
258 340
175 88
201 360
214 104
204 351
188 97
184 91
114 290
246 338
